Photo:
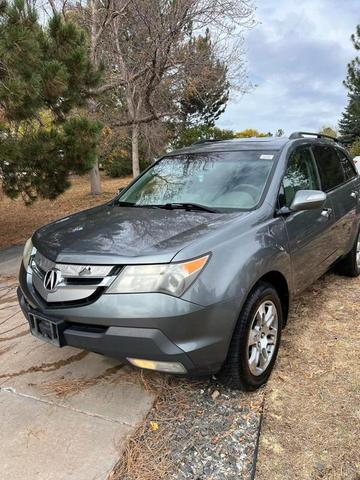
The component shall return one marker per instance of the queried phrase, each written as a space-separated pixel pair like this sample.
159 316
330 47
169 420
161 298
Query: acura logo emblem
52 279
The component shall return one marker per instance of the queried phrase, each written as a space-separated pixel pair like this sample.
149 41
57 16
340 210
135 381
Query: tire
236 371
349 266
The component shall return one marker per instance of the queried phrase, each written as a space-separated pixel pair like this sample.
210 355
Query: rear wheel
350 265
256 340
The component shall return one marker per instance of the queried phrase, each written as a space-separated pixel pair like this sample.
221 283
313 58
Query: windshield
217 180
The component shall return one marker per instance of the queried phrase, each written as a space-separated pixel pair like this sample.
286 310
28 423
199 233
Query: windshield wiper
124 204
131 204
187 206
169 206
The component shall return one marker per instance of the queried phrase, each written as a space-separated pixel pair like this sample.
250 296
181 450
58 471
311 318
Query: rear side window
346 164
300 175
331 171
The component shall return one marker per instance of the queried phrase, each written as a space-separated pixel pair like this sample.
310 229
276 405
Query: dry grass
19 221
158 447
147 454
67 387
312 408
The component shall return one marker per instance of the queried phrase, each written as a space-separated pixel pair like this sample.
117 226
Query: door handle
354 194
326 212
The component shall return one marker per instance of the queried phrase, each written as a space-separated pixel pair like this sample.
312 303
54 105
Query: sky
297 58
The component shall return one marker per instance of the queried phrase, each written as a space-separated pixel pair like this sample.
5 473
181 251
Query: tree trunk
95 179
135 150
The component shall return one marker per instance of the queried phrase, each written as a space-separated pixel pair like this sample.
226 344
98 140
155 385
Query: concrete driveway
10 259
64 413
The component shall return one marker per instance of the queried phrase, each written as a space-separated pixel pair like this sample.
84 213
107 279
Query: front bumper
151 326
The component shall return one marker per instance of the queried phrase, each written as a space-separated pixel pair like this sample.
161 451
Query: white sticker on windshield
266 157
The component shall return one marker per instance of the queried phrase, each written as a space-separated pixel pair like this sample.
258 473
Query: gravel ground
218 440
196 430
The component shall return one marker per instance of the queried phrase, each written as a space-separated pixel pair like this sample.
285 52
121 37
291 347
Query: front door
310 232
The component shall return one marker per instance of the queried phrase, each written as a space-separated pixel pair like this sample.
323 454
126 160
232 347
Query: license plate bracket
48 330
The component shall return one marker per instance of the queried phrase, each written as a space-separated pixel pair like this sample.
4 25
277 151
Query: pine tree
206 88
45 77
203 92
349 125
190 135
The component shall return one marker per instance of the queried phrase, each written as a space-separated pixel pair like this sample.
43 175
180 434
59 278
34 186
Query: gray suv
192 267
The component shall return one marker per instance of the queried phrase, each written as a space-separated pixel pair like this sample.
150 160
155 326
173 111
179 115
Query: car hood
112 234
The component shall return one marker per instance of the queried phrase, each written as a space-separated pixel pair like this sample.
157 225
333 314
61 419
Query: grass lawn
311 417
19 221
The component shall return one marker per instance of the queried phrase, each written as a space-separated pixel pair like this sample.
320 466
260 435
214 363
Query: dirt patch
312 409
18 221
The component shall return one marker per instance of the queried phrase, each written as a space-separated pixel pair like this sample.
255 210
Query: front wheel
256 339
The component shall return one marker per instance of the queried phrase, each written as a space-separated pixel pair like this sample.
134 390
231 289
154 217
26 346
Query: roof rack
295 135
205 140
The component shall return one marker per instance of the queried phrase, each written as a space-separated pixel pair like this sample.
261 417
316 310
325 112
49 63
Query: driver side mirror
308 200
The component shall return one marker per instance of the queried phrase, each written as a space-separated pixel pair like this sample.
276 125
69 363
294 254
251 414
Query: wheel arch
279 282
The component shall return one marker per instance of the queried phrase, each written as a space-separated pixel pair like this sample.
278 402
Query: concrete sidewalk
10 259
64 413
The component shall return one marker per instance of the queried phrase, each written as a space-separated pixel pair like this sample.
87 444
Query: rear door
309 232
340 181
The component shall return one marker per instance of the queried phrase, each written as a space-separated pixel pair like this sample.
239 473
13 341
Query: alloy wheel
263 336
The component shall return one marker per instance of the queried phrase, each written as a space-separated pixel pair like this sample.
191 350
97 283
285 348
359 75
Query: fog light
169 367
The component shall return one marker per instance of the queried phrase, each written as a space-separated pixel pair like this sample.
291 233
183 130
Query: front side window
300 175
331 172
217 180
346 164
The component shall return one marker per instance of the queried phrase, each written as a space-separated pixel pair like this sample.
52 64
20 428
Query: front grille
75 284
73 303
83 281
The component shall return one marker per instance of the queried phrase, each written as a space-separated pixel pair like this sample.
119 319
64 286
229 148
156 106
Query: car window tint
331 172
300 175
346 164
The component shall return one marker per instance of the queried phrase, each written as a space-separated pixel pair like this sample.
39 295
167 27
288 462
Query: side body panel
347 211
341 182
310 232
311 245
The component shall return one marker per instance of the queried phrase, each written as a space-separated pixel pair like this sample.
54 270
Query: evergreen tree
45 77
349 125
202 93
190 135
205 91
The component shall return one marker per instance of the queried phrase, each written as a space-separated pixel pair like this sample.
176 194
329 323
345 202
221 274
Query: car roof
255 143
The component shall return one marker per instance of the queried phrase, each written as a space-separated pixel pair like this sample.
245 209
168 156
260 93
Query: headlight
172 278
27 252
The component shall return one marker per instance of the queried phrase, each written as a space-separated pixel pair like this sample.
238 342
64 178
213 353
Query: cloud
297 57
